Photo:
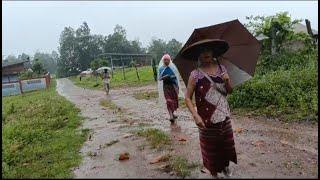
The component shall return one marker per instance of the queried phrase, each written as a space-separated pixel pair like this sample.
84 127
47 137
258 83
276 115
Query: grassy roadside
145 74
39 135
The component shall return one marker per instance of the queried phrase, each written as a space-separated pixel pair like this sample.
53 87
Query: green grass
109 104
182 166
39 135
146 95
290 95
145 74
285 86
156 137
182 103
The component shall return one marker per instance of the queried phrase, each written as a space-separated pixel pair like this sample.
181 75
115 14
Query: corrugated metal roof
6 63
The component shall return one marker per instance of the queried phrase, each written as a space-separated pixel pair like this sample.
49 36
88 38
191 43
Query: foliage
281 24
37 67
286 84
49 61
181 166
284 61
103 62
158 47
78 48
118 43
13 58
156 137
146 95
95 64
27 75
39 135
173 47
109 104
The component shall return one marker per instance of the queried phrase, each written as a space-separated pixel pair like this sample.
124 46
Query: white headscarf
161 98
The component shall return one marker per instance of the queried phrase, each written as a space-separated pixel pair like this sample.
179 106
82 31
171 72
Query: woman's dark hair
105 70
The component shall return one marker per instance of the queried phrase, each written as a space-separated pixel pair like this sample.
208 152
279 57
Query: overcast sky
30 26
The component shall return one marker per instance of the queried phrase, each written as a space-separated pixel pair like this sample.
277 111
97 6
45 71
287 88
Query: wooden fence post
20 84
111 67
137 72
124 75
154 69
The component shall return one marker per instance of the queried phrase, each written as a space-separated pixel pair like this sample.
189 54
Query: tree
78 48
23 57
95 64
157 47
278 28
37 67
118 42
103 62
86 48
67 63
11 58
49 61
173 47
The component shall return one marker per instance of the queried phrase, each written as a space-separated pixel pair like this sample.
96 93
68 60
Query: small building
11 70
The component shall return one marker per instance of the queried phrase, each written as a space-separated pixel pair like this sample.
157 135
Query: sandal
171 120
226 171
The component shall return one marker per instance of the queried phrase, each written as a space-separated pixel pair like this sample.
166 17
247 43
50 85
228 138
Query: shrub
286 84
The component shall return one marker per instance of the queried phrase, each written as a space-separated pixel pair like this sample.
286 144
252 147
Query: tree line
79 49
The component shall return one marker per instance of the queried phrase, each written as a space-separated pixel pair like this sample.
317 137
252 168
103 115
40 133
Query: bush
285 60
286 84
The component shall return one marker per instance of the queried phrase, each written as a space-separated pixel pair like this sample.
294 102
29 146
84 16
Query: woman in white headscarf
169 85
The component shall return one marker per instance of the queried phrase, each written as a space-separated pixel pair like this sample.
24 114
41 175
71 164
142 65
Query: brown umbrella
240 59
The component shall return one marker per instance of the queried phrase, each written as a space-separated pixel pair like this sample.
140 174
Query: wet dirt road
265 148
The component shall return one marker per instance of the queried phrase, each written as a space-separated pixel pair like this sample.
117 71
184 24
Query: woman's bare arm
228 86
189 93
188 100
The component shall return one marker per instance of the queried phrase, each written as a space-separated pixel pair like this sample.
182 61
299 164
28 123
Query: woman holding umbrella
211 83
106 80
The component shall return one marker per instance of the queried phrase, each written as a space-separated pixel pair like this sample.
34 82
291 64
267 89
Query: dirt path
265 148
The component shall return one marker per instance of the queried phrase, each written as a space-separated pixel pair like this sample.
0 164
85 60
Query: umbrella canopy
87 72
101 69
240 59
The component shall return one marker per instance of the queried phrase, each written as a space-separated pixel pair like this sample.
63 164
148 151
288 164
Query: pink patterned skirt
171 95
